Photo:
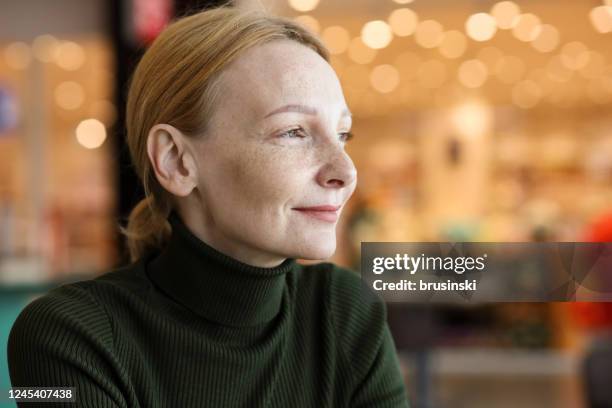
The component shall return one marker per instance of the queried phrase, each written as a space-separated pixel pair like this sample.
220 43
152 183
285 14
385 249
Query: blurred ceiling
547 54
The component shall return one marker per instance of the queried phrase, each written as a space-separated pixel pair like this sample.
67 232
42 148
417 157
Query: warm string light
528 87
481 27
44 47
336 38
575 55
376 34
303 5
547 40
384 78
69 55
309 22
601 18
505 14
69 95
429 34
527 27
403 22
91 133
472 73
453 45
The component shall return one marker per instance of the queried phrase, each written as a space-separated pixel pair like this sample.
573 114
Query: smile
323 215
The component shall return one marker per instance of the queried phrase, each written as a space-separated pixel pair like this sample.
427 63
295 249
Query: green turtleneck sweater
191 327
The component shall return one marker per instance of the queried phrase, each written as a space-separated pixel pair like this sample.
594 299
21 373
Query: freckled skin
250 177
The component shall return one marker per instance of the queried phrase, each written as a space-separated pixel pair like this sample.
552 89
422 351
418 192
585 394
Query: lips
328 213
319 208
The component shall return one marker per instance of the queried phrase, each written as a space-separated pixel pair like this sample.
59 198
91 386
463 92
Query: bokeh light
359 52
303 5
575 55
527 27
309 22
547 39
601 18
472 73
505 14
481 27
403 22
44 47
69 95
336 38
429 34
453 45
91 133
384 78
376 34
69 55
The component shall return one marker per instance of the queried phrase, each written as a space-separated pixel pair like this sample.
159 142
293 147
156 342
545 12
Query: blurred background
474 121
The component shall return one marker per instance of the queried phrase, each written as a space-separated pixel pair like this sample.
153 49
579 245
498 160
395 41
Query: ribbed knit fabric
191 327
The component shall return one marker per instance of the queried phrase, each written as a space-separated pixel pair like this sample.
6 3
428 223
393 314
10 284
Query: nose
338 170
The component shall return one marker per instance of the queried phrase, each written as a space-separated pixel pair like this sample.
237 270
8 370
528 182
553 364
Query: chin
317 250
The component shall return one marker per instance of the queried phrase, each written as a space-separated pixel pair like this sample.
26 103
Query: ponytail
147 227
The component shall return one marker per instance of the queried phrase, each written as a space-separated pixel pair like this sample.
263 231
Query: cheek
268 176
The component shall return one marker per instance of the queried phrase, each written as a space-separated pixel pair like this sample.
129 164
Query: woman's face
276 143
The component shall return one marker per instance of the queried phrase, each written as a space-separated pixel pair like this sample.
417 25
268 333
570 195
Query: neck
203 227
214 285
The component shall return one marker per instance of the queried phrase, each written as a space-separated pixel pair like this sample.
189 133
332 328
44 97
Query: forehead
279 72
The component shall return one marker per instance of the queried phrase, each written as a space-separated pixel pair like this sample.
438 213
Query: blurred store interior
473 120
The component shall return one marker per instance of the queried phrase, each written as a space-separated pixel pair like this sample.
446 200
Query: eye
346 136
297 133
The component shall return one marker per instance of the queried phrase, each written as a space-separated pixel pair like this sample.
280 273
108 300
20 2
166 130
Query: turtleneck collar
214 285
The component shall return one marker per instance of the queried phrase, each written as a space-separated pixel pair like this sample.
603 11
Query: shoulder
67 310
80 308
65 327
126 280
354 308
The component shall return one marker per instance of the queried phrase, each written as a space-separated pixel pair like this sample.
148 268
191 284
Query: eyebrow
302 109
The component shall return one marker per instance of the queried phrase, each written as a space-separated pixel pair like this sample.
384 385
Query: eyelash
348 135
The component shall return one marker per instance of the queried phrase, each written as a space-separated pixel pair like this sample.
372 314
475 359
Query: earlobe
166 151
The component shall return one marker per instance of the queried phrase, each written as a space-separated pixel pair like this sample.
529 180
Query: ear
171 160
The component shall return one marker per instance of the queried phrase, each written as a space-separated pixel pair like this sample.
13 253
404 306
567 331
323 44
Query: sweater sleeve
366 343
64 339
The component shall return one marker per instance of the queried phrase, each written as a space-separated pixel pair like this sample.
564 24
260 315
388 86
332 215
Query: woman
237 126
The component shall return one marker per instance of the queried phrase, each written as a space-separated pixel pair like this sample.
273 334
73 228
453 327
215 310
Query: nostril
336 182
